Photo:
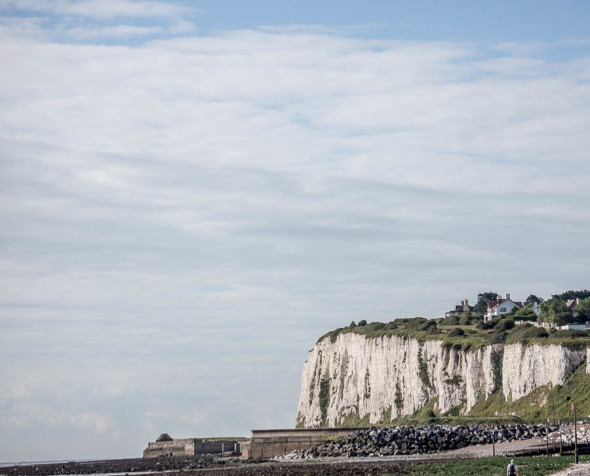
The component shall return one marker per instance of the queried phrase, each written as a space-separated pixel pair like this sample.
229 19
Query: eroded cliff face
390 376
385 377
527 367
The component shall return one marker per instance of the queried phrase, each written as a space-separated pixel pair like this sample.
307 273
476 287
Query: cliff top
468 333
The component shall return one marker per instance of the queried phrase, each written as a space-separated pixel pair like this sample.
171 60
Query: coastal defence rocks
354 378
410 440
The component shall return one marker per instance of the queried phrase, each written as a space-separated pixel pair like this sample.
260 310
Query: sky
192 193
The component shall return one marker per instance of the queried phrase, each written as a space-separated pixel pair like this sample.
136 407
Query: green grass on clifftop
465 333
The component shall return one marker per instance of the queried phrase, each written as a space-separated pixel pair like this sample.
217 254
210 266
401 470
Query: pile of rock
567 435
408 440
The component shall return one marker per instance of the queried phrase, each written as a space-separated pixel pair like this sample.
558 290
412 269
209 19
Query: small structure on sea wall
165 445
270 443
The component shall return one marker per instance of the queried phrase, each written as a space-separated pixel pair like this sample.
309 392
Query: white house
501 306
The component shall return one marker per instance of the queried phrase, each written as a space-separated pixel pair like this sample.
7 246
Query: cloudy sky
193 192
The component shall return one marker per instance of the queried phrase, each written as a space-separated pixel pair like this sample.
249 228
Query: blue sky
419 20
194 192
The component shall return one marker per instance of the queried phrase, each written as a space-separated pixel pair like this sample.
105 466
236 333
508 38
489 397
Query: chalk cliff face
527 367
385 377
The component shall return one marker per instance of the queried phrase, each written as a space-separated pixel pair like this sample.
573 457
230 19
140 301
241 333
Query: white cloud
182 27
117 31
31 27
122 32
84 420
209 206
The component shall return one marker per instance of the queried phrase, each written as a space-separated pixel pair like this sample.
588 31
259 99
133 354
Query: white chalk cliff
527 367
389 376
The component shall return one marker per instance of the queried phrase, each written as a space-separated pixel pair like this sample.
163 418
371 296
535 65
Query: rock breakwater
409 440
567 435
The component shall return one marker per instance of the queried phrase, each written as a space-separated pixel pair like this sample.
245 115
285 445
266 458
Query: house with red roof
501 306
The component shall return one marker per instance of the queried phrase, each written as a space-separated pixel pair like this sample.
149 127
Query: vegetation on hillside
545 402
469 331
466 332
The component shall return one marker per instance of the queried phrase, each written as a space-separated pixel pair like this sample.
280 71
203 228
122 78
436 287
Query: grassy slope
544 402
538 466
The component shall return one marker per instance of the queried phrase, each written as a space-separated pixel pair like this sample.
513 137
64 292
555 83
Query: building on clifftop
501 306
459 309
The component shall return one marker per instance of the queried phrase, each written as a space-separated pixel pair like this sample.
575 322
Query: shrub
528 332
426 325
362 323
456 332
416 322
535 332
571 334
505 324
450 321
481 325
498 338
464 319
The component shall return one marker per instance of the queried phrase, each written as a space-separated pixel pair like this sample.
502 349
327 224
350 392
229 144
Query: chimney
507 296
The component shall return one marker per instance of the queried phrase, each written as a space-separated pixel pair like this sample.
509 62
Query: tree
554 311
531 300
483 299
582 311
581 294
525 314
465 318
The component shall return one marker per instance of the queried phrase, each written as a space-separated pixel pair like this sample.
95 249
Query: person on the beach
512 469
